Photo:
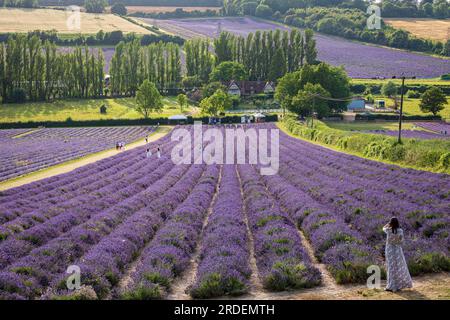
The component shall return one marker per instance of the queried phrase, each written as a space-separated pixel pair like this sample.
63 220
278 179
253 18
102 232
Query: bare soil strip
179 287
77 163
327 278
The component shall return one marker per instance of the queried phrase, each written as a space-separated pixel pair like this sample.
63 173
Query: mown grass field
411 107
366 125
423 28
122 108
25 20
410 82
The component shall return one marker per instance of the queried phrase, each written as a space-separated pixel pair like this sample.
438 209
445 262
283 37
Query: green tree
390 90
216 104
95 6
229 70
223 47
119 8
441 9
333 79
310 47
148 99
182 101
263 11
209 89
307 101
288 86
278 65
433 100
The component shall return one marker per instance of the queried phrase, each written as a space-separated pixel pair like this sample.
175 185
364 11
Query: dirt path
77 163
327 278
179 287
428 287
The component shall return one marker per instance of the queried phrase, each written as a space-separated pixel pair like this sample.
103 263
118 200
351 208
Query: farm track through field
180 286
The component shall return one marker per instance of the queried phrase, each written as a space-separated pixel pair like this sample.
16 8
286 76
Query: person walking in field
158 152
148 153
398 276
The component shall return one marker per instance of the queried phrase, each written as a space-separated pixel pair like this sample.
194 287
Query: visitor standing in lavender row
158 152
398 276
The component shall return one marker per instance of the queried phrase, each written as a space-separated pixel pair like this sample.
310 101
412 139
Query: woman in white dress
158 152
398 276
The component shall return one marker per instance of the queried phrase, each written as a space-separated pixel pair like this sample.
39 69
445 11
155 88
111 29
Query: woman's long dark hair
394 224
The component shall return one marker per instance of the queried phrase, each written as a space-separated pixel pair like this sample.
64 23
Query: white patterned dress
398 276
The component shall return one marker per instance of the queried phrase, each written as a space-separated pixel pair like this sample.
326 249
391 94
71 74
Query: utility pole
400 118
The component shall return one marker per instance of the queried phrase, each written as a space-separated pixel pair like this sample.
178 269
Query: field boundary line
180 285
71 165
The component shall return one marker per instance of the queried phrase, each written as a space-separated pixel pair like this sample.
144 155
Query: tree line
32 69
100 38
267 55
132 63
36 70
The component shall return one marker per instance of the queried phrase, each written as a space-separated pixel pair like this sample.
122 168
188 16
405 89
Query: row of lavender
341 202
38 243
47 147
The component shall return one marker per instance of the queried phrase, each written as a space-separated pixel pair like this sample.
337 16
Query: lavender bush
224 260
282 262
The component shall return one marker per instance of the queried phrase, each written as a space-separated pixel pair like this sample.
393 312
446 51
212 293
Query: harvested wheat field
423 28
25 20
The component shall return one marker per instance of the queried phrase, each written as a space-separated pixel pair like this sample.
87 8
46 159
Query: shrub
119 8
287 275
413 94
215 286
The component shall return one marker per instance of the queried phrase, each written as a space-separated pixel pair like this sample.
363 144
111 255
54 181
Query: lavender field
414 134
139 227
441 128
25 150
360 60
